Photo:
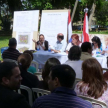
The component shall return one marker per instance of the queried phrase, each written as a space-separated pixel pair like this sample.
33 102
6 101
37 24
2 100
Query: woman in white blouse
75 41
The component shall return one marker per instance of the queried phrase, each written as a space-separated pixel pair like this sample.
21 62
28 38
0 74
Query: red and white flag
85 35
69 27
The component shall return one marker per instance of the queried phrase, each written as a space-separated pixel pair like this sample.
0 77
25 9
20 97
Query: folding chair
40 92
94 102
35 64
29 91
76 81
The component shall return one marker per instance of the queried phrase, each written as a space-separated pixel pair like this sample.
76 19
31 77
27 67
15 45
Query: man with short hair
42 44
11 52
61 80
86 48
10 79
60 45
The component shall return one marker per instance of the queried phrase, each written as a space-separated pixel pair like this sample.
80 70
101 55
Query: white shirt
60 46
40 47
77 66
103 48
70 45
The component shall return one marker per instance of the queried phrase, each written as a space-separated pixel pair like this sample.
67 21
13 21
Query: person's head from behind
86 47
48 65
74 53
41 38
93 75
28 52
24 61
96 42
12 43
60 37
10 75
61 76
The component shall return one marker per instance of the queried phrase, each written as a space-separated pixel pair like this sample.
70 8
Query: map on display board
25 28
52 23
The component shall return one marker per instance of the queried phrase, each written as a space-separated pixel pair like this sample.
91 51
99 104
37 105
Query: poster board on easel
25 28
52 23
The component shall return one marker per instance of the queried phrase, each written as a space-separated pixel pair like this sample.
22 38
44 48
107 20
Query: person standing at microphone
42 44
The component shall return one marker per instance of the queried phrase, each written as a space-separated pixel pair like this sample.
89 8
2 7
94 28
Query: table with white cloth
42 56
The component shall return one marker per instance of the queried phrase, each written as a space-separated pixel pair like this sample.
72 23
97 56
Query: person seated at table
93 83
46 70
42 44
106 73
29 79
31 68
60 44
86 53
11 52
74 60
97 45
60 82
75 41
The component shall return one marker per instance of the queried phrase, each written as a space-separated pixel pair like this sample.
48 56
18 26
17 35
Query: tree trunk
73 13
91 15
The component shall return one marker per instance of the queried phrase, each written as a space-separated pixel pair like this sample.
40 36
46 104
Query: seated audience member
106 73
42 44
86 53
93 83
11 52
29 79
46 70
60 45
96 44
10 80
31 68
60 82
74 60
75 41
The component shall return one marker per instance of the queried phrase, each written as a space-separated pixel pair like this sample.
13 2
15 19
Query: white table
42 56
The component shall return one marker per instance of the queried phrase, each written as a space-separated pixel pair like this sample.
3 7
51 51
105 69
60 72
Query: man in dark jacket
11 52
10 80
42 44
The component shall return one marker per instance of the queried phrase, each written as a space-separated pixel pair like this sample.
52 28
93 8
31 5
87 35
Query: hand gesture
34 40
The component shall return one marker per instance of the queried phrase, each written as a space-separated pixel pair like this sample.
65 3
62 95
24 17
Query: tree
102 15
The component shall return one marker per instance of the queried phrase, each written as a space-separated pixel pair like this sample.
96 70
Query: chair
29 91
105 69
40 92
10 60
39 75
35 64
76 81
94 101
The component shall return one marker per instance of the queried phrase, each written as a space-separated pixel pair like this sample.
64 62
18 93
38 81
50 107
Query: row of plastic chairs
31 92
41 92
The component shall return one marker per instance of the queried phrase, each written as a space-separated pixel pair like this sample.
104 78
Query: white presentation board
25 28
52 23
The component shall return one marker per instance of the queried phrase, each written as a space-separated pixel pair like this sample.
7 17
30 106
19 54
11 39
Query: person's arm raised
35 42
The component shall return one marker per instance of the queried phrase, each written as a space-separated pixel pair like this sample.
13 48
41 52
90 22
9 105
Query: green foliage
102 15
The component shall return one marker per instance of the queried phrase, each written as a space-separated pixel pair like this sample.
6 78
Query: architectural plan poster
52 23
25 28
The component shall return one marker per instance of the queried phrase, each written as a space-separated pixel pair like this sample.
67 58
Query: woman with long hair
46 70
75 41
96 44
93 83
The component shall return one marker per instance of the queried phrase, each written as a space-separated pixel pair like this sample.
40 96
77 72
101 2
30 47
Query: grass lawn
92 32
3 42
